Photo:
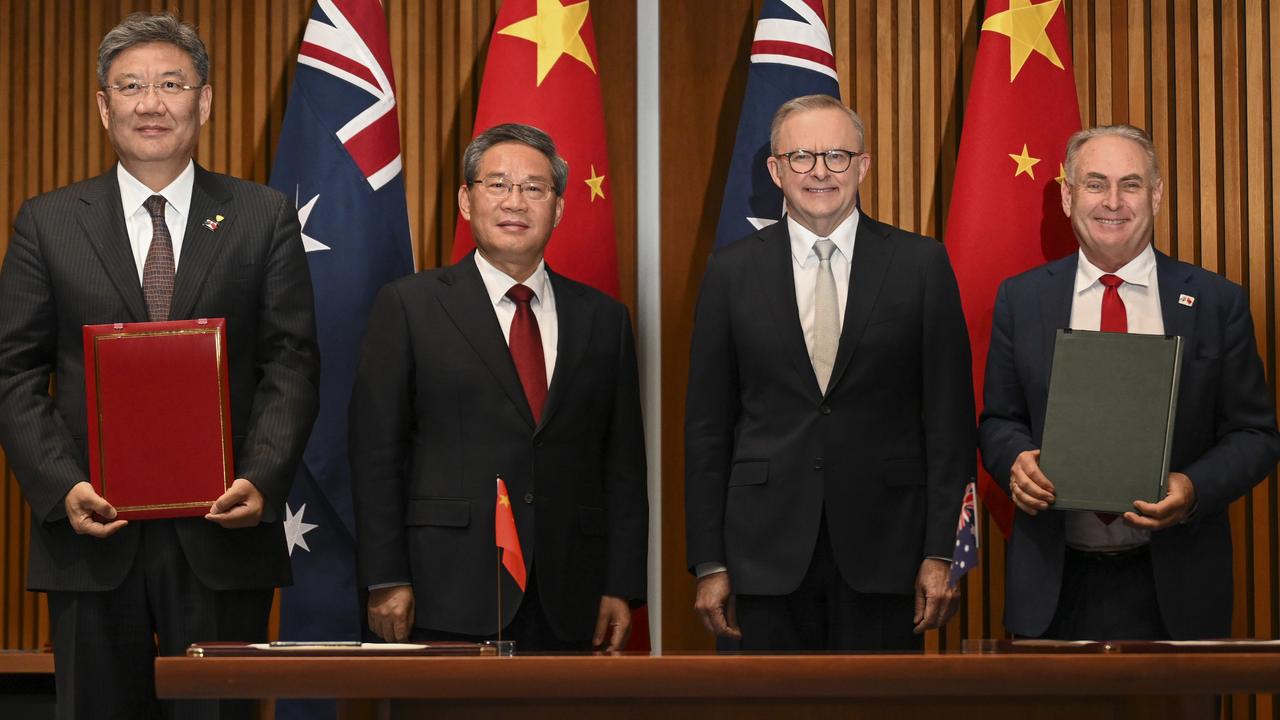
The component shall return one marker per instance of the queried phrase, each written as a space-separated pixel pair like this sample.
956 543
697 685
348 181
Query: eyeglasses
499 186
164 87
803 161
1094 186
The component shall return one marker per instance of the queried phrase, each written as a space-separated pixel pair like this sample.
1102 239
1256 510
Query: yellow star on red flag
1025 163
1025 24
1062 174
556 30
596 183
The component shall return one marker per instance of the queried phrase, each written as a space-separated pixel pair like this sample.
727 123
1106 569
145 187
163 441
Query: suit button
817 463
826 409
528 498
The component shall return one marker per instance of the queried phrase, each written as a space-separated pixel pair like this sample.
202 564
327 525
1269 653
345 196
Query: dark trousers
824 614
529 628
1107 596
105 643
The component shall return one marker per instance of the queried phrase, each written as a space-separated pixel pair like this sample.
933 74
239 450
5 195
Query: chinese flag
506 537
543 70
1006 211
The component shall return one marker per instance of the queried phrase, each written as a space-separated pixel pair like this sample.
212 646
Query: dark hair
523 134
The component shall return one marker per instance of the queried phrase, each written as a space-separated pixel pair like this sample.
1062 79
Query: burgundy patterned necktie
1114 319
158 270
526 350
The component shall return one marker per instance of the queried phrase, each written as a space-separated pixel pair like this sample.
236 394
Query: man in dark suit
1164 569
829 422
497 367
140 243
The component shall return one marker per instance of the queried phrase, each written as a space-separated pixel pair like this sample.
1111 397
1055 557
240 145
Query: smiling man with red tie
500 367
1162 570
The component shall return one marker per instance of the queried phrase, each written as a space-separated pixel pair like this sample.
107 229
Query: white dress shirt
137 220
543 304
1141 295
804 268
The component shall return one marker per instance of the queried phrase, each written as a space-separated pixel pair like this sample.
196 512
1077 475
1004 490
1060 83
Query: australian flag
339 161
965 557
790 57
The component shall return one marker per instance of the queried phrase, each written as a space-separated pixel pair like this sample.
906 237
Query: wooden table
987 686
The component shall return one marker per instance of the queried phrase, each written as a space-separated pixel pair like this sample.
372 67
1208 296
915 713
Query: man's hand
615 620
714 604
82 503
935 602
240 506
391 612
1180 497
1030 490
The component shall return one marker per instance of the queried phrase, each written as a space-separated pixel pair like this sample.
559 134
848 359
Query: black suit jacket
886 452
69 264
438 414
1224 438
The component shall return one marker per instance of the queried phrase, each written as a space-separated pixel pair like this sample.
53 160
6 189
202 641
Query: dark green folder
1109 421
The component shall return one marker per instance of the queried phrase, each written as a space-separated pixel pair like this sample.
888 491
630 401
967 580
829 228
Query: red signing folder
158 406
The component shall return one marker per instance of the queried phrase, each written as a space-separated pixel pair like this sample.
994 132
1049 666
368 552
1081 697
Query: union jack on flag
965 557
338 160
790 57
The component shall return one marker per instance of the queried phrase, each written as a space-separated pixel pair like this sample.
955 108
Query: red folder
158 404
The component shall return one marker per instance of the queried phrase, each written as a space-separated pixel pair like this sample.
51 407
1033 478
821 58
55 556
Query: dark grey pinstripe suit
69 264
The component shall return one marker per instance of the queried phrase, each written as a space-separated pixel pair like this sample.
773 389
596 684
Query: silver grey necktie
826 315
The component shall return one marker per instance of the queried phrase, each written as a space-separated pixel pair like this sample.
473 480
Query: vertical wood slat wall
50 135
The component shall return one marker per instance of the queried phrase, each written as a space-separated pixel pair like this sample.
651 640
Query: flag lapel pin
1187 300
211 224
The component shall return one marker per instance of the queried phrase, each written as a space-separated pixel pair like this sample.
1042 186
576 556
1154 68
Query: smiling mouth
820 189
1111 221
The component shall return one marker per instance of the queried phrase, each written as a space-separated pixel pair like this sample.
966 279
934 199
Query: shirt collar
1137 271
177 194
497 283
802 239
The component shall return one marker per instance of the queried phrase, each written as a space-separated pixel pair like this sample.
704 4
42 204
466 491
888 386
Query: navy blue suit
1224 438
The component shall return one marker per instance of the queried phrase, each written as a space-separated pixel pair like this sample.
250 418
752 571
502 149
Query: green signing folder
1109 420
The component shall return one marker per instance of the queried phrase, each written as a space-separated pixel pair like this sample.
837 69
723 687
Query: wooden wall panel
50 135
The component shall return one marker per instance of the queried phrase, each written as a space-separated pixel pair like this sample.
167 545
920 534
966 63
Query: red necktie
1114 319
526 350
158 269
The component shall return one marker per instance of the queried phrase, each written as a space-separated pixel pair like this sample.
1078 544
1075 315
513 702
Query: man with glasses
498 367
829 425
154 238
1162 570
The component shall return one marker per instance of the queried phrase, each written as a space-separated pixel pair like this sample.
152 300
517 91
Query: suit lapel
1055 301
468 306
574 335
872 252
102 221
1179 319
200 245
773 257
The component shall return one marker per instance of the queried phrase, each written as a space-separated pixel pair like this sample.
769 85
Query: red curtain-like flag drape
1006 210
543 70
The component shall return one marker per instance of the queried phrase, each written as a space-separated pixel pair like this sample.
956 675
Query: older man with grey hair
140 243
1163 569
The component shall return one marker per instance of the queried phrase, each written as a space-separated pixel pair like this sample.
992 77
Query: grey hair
1128 132
813 102
517 133
142 27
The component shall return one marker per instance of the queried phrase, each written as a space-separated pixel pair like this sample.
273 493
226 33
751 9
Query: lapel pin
212 223
1186 300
